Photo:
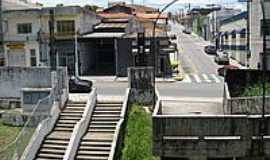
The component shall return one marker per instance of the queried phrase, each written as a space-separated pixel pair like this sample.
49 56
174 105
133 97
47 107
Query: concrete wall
216 136
14 78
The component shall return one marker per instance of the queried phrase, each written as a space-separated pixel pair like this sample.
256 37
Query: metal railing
15 149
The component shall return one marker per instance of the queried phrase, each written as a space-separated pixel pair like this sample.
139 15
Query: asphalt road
192 55
195 62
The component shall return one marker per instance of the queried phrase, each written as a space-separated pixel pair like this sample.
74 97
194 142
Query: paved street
201 81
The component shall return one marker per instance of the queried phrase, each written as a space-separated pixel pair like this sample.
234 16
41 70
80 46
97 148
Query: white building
21 29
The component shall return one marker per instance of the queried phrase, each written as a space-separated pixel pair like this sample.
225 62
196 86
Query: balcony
20 38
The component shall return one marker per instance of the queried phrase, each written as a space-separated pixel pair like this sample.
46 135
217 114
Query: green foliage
138 139
256 90
174 65
91 7
7 134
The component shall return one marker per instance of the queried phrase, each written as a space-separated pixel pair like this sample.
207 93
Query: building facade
233 38
21 30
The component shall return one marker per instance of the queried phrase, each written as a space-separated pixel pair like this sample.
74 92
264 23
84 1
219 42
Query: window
5 26
65 27
33 57
24 28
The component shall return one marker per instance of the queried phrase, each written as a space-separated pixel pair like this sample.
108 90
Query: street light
265 4
154 49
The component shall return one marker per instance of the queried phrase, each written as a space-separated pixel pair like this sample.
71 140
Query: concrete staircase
55 144
97 141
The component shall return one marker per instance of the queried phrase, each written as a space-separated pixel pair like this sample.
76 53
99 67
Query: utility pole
1 35
52 41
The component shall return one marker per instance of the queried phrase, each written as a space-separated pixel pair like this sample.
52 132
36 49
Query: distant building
12 5
233 38
21 31
68 22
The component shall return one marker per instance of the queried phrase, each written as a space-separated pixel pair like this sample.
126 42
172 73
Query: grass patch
138 138
256 90
8 134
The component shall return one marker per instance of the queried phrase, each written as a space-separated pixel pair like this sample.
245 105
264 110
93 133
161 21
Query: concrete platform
191 108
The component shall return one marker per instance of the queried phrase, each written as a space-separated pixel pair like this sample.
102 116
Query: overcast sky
154 3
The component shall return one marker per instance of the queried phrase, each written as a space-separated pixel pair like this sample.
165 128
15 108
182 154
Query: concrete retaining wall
14 78
141 83
215 136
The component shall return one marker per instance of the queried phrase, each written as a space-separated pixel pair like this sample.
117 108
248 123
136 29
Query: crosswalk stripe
217 80
197 78
187 79
206 78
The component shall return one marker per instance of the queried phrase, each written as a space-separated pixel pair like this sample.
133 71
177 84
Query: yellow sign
15 46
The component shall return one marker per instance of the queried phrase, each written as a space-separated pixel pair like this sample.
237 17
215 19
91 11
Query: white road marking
187 79
197 78
217 80
206 78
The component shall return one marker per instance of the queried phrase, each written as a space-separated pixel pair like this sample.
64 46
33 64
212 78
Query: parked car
187 31
77 85
222 58
210 49
222 71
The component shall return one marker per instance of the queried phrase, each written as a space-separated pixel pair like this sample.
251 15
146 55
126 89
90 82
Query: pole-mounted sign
141 57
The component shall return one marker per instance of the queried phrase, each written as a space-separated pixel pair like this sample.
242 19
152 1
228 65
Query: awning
104 35
111 25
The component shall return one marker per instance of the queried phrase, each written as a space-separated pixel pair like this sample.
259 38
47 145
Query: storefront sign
16 46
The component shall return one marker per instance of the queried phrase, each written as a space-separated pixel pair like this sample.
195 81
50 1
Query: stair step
88 157
63 129
99 144
77 102
69 118
102 126
56 142
71 114
101 130
46 159
107 112
108 108
67 121
105 118
50 156
106 115
89 148
52 151
75 108
103 123
53 146
94 153
68 125
73 111
109 105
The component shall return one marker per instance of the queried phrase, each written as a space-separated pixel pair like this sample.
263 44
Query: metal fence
15 150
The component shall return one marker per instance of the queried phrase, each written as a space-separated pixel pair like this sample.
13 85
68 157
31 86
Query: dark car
187 31
77 85
222 58
222 71
210 49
